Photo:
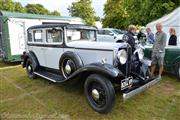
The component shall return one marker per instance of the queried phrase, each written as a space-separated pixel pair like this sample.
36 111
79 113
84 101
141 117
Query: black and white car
65 52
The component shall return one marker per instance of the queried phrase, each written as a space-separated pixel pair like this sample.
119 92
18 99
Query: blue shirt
150 38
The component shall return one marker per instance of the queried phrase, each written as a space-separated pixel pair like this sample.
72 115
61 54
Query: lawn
40 99
6 64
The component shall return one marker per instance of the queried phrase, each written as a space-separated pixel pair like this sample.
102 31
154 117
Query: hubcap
95 94
29 68
68 69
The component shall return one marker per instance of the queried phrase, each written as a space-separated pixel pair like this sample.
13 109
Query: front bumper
140 89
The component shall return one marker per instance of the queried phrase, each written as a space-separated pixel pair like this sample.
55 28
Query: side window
38 36
101 32
29 37
54 36
107 32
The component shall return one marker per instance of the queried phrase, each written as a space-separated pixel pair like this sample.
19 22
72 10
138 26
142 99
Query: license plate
126 83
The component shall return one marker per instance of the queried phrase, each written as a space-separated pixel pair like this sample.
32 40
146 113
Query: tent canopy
168 21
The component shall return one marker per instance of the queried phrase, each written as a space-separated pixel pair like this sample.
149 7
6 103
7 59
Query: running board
49 76
140 89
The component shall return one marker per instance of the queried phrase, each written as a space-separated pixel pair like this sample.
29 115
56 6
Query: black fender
106 70
72 55
33 58
120 41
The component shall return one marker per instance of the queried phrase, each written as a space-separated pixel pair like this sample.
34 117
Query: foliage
138 12
9 5
36 9
55 13
97 18
83 9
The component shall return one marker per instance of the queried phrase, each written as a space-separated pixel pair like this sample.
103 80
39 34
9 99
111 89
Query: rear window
38 36
29 37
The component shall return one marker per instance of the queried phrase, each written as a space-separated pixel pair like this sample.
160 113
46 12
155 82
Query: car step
50 76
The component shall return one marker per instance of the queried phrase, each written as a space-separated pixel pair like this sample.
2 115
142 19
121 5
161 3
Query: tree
83 9
115 17
36 9
9 5
97 18
138 12
55 13
19 7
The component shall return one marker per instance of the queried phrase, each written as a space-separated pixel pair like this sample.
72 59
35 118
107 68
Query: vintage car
66 52
171 60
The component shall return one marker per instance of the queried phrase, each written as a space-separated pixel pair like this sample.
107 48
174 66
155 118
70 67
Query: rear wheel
99 93
177 70
29 69
68 67
69 63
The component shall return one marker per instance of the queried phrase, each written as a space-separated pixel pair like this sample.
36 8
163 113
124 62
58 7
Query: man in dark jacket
129 36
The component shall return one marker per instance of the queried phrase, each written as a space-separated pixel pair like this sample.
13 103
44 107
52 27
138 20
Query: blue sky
62 5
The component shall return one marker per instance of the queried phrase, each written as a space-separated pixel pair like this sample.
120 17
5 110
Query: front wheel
29 69
177 70
99 93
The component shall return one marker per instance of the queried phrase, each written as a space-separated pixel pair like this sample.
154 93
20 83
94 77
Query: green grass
40 98
7 64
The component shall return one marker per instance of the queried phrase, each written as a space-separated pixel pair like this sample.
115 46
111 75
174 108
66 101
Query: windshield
117 32
81 34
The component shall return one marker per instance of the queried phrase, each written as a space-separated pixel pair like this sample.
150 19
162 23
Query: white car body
109 35
90 51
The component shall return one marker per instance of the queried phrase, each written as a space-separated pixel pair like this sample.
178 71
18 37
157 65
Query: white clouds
62 5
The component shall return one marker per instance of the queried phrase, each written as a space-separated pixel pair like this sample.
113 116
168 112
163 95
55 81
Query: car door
108 36
100 35
37 45
172 54
54 50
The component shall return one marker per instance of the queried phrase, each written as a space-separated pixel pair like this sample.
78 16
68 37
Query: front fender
176 60
33 59
104 69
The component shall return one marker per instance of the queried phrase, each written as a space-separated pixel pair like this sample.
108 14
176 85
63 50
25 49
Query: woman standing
173 37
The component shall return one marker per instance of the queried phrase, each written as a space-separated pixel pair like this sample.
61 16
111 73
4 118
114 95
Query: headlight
122 55
140 54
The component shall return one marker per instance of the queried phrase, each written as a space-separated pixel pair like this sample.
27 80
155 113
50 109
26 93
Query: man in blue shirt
150 36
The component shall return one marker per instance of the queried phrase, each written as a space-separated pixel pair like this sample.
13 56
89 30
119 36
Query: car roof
108 29
70 26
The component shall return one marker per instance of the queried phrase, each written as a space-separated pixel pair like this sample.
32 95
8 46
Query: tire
177 70
104 95
69 63
29 69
